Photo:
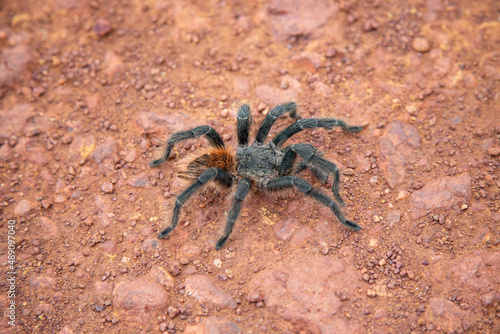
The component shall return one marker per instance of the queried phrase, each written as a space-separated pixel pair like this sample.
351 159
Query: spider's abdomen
219 157
257 162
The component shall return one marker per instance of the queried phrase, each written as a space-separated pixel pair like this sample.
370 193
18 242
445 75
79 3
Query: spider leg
289 181
243 124
208 175
313 160
212 136
241 191
309 123
271 118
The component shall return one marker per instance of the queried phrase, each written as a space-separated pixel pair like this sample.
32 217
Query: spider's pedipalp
243 124
241 192
290 181
212 136
205 177
322 168
310 123
272 116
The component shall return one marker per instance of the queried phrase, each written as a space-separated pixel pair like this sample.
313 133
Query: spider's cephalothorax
264 166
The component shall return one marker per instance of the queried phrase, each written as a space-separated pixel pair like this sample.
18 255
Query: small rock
15 64
308 60
130 156
191 251
42 285
138 300
60 199
285 228
420 44
301 236
487 298
23 208
493 151
348 172
298 18
394 217
218 263
203 289
371 25
112 64
141 181
448 315
107 187
172 312
175 268
254 296
417 185
399 142
444 193
331 52
106 150
38 91
370 293
289 286
150 245
46 204
49 227
162 276
102 27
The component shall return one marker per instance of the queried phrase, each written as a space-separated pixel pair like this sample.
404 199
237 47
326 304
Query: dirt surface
90 90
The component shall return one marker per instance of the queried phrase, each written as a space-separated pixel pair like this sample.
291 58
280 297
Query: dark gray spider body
265 166
258 162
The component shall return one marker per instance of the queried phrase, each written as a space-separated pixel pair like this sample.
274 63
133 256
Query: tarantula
263 166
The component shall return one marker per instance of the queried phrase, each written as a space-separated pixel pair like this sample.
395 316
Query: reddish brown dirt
90 89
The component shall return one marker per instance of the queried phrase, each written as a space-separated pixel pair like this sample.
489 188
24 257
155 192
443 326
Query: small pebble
421 44
107 187
102 27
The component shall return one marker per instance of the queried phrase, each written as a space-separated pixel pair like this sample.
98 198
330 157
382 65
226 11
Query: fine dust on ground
90 89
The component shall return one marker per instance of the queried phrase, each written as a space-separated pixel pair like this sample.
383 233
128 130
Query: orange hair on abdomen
220 157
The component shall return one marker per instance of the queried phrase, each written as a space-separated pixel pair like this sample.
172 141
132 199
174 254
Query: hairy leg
207 176
212 136
243 125
310 123
241 191
271 118
322 168
290 181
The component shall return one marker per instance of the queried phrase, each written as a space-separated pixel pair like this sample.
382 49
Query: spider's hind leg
290 181
321 168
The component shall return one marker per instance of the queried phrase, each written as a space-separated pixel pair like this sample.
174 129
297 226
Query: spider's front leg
243 124
212 136
205 177
272 116
290 181
241 192
311 123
